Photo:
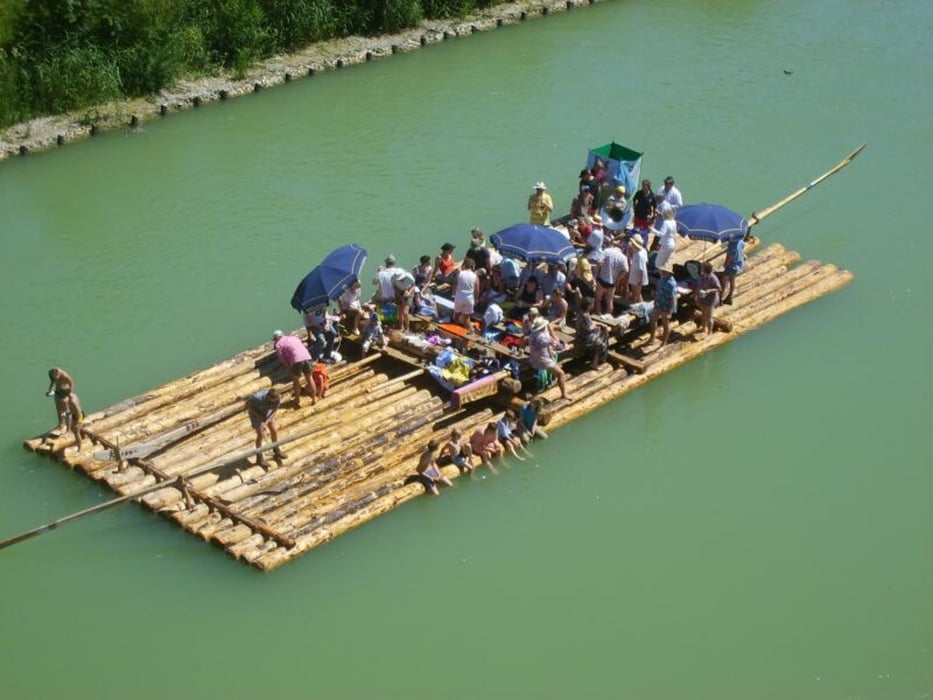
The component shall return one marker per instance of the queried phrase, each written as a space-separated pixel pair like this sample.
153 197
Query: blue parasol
710 222
327 281
533 243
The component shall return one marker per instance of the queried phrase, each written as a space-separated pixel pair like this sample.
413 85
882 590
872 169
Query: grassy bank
58 56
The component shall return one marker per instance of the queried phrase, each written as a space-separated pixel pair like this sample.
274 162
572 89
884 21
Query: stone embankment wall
46 132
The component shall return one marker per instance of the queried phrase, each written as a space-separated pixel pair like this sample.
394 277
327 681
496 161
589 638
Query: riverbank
44 133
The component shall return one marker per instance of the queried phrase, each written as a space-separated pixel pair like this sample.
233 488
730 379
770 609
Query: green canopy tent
623 164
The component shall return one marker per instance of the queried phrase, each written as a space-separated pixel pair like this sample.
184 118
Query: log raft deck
356 450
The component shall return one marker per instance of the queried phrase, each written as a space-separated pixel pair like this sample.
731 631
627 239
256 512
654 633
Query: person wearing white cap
383 279
322 334
541 347
295 356
403 282
540 205
611 273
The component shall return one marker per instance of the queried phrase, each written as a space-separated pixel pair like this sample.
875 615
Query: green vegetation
62 55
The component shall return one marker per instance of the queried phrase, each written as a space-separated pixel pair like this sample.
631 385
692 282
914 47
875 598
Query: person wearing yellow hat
617 203
582 278
540 205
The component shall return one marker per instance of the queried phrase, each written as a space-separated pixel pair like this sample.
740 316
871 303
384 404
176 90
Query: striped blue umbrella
710 222
533 243
327 281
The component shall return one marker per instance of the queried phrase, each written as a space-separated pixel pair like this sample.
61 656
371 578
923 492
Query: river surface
755 524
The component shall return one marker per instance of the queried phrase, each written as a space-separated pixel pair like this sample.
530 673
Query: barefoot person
735 263
261 408
458 451
295 356
467 286
708 295
665 305
508 436
428 470
67 405
541 345
530 420
485 444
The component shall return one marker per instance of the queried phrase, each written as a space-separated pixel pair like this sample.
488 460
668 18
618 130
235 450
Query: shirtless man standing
67 405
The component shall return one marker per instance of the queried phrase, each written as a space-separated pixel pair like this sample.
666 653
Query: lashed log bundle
359 459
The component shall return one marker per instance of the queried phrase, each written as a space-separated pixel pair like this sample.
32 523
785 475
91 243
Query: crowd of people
624 255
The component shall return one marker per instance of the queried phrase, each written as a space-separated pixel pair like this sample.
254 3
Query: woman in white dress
666 234
467 290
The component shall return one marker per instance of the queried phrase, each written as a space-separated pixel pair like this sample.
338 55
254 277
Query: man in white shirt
670 194
385 292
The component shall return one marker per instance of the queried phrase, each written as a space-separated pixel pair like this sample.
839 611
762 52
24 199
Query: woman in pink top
295 356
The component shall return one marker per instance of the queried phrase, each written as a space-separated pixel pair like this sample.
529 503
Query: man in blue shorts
665 304
261 408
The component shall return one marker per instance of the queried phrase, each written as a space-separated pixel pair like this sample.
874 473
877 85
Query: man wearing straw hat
540 205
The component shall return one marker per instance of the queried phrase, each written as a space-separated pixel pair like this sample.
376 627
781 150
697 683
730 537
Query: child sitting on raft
458 451
428 470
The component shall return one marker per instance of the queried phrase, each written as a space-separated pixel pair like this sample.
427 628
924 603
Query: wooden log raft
373 424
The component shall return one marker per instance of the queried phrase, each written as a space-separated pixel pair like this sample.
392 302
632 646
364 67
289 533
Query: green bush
293 24
71 78
234 33
61 55
11 107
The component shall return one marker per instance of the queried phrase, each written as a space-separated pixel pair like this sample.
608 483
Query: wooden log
347 436
240 433
324 456
122 499
771 290
312 522
397 380
761 277
324 490
312 517
182 388
821 284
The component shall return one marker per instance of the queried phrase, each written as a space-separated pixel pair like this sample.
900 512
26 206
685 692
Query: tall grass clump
63 55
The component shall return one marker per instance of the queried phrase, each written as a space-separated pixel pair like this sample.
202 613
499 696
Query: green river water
755 524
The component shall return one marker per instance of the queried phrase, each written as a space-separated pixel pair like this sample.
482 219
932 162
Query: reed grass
60 55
